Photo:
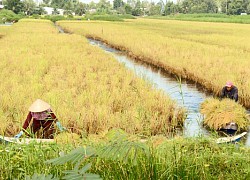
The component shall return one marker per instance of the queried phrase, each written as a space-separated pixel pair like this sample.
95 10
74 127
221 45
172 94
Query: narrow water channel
187 94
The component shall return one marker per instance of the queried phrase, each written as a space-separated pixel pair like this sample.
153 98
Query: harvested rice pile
219 113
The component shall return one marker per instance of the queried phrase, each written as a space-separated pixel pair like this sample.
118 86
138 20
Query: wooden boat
231 139
6 140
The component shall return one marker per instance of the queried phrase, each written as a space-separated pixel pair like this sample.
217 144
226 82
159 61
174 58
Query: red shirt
52 117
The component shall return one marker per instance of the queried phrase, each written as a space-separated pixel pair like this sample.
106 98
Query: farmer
230 128
229 91
42 116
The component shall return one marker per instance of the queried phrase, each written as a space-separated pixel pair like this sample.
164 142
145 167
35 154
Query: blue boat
231 139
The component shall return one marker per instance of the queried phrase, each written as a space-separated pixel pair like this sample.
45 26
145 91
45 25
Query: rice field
208 53
106 108
3 31
88 90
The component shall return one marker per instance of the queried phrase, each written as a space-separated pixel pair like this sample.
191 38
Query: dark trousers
47 126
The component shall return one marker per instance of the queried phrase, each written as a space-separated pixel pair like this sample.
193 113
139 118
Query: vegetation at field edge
118 155
205 18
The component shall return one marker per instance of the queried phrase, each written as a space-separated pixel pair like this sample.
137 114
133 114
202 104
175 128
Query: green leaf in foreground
79 154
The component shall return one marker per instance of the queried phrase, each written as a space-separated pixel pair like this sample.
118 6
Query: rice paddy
107 109
208 53
88 90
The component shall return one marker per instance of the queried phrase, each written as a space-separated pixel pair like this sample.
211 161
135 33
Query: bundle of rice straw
219 113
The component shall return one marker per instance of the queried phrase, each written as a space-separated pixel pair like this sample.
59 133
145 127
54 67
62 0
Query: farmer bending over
43 117
230 91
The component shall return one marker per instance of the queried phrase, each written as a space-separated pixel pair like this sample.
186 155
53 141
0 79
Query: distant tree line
133 7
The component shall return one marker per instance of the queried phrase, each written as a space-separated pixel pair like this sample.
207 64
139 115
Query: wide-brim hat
39 106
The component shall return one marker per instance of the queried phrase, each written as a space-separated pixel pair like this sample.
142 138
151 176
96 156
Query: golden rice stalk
219 113
88 90
204 45
67 138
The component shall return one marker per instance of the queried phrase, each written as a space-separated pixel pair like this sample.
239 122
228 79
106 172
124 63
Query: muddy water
186 93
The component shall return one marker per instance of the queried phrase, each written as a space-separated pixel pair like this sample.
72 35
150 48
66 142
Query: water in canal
186 93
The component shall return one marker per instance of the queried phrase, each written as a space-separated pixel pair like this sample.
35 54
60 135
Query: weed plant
18 161
125 157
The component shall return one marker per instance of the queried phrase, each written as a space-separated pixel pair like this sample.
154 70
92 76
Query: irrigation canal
187 94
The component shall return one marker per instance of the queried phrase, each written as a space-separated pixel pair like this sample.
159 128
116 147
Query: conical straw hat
39 106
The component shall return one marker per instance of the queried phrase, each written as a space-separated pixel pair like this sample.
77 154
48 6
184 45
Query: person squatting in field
42 116
229 91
